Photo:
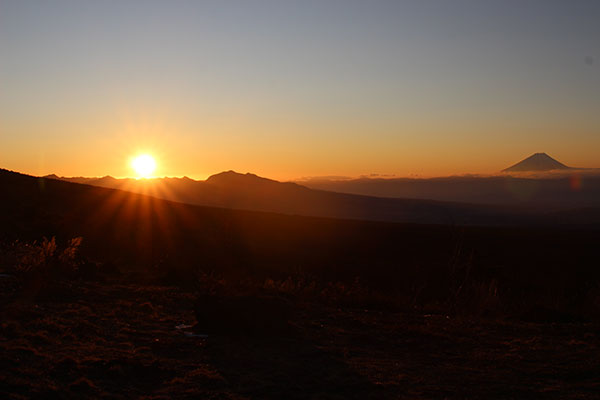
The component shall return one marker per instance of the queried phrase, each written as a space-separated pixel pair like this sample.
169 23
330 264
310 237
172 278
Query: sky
289 89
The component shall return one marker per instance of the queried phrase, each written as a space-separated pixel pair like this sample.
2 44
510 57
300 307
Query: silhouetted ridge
229 177
234 180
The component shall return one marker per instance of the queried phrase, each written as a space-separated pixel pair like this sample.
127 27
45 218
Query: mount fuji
536 162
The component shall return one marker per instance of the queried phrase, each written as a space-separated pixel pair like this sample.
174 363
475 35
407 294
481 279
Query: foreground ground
116 338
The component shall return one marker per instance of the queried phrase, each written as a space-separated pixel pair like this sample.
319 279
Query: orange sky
278 151
286 91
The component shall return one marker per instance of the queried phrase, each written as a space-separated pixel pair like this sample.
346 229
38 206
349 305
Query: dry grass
118 339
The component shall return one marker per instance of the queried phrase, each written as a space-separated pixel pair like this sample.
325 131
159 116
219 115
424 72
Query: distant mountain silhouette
250 192
539 181
536 162
570 189
232 177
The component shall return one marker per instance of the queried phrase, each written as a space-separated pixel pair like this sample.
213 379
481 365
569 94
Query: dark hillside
133 229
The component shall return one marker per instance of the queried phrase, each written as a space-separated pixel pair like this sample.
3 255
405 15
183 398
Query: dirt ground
118 339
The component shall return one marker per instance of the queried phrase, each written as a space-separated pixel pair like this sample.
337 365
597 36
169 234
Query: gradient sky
287 89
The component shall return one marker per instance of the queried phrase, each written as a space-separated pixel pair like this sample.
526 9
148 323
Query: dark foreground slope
117 339
376 310
140 230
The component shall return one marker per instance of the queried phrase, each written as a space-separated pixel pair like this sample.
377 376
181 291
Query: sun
143 165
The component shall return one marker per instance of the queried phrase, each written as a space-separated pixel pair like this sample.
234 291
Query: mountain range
497 201
233 190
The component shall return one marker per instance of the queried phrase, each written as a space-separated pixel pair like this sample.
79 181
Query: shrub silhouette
46 258
45 269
